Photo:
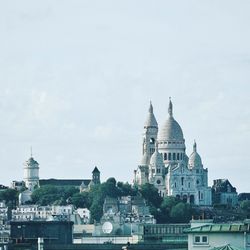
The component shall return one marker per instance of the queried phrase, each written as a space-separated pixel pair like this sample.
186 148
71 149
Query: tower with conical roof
96 176
31 173
150 131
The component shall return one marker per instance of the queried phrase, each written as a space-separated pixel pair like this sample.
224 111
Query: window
197 239
165 156
182 181
152 141
174 156
169 156
158 171
178 156
200 239
204 239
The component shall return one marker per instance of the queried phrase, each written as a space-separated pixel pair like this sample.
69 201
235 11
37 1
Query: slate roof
64 182
96 170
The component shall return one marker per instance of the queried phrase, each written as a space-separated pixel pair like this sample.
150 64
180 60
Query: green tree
126 189
245 205
181 213
81 200
10 196
150 193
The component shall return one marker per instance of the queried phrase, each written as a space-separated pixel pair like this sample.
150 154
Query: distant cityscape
168 202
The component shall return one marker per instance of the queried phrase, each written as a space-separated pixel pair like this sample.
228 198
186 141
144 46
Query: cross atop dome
195 146
170 107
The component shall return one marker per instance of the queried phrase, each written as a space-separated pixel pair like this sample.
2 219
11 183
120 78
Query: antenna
31 153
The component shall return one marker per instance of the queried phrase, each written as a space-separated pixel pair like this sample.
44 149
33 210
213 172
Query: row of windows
171 142
164 230
200 239
173 156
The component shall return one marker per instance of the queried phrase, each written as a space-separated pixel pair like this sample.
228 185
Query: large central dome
171 130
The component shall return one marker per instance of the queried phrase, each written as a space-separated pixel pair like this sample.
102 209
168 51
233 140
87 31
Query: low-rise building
84 214
42 213
224 193
211 236
4 214
53 232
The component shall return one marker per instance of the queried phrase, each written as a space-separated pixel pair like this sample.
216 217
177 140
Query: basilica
166 165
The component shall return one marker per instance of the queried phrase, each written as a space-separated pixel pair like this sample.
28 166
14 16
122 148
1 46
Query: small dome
156 158
151 121
195 159
171 130
144 160
31 162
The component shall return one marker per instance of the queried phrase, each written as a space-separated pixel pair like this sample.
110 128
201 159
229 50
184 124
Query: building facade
219 236
224 193
166 165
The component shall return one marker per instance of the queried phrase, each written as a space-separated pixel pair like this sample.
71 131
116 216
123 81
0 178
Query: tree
150 193
245 205
49 194
81 200
181 213
126 189
10 196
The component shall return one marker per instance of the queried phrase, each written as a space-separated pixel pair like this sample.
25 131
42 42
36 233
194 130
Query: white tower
148 147
150 133
31 173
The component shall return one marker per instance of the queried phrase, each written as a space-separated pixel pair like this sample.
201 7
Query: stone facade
165 163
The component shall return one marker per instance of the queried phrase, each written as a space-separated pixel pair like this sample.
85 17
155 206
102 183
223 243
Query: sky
76 79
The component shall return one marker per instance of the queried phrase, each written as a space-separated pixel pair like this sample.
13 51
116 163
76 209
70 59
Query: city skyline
76 81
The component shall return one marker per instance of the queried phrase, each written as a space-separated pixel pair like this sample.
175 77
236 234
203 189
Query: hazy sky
76 78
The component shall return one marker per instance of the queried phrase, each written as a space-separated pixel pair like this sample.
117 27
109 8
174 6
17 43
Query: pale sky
77 76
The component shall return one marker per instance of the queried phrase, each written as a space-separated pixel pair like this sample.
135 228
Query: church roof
96 170
194 158
64 182
31 161
171 130
151 121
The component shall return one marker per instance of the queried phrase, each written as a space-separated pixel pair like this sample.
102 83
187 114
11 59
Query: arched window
169 156
152 141
165 156
182 181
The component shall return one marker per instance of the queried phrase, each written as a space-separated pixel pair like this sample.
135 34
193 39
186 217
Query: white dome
195 159
171 130
151 121
156 158
144 160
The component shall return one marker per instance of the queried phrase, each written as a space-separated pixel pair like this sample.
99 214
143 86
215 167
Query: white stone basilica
165 163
